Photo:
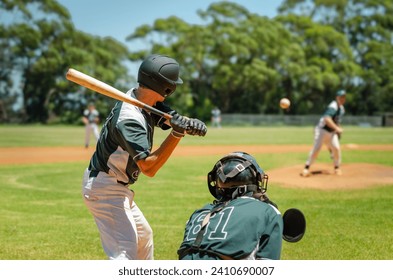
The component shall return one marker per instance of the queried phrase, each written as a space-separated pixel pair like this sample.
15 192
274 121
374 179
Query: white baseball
285 103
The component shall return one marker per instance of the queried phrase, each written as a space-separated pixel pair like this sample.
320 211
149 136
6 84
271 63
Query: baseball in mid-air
285 103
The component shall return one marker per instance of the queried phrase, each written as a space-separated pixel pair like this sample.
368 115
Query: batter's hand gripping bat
105 89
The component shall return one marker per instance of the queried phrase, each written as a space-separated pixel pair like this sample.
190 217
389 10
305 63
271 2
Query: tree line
236 60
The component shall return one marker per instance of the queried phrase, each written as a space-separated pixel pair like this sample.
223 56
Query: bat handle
157 112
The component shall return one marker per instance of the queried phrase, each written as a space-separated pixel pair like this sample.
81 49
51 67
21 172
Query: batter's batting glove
196 127
179 125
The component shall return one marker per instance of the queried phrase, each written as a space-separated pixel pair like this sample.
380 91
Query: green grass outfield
42 215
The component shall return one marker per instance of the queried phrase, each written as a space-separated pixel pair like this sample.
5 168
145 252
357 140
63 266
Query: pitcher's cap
341 92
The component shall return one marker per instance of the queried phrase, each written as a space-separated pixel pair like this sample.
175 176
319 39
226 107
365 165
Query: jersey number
215 229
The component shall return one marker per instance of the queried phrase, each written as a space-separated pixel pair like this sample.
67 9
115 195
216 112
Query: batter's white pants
330 139
89 128
124 231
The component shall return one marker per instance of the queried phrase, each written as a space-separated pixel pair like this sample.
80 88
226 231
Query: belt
94 173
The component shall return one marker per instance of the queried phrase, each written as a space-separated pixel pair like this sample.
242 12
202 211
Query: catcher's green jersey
245 228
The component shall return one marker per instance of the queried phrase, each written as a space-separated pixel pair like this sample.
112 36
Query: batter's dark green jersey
126 136
246 228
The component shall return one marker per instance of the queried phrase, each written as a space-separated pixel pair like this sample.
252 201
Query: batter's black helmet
159 73
234 175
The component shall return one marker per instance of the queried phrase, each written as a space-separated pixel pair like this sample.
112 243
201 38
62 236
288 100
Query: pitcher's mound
355 176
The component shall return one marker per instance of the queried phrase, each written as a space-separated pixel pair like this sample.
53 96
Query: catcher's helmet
234 175
159 73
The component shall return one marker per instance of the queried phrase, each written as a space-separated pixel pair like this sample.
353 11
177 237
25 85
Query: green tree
368 26
43 46
232 62
244 63
328 64
7 95
28 39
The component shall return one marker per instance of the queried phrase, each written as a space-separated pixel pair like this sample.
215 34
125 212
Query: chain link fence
302 120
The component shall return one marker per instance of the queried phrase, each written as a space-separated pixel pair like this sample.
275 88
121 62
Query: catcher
242 223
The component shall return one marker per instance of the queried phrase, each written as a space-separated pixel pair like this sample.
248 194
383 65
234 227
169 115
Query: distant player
242 223
216 117
91 119
328 132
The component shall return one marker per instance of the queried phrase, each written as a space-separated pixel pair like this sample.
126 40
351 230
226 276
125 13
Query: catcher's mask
234 175
160 73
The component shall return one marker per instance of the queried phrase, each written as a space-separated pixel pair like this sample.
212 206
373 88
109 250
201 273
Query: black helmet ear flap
215 191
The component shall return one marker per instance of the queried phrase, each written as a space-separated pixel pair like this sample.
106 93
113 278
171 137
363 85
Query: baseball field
349 217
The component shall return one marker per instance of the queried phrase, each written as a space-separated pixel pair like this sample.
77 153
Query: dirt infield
355 175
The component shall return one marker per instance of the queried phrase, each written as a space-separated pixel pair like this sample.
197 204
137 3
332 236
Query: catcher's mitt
294 225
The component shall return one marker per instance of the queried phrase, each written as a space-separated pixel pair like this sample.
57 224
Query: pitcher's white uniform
325 134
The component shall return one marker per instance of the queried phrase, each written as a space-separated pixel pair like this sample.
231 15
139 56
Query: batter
124 150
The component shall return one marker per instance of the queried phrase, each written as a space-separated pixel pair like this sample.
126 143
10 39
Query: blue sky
119 18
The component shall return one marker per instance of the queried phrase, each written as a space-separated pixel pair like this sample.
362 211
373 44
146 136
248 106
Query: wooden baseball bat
105 89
